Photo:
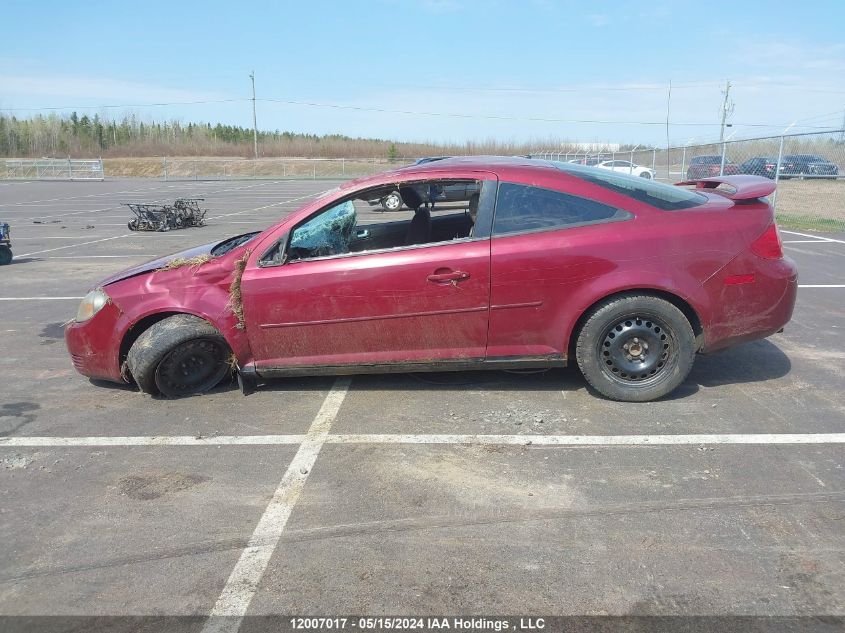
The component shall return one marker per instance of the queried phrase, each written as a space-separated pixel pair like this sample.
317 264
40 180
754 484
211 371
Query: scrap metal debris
184 212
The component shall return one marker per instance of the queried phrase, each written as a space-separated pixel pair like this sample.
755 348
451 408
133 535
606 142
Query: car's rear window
523 208
657 194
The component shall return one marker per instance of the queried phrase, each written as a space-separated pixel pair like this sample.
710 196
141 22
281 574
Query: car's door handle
453 275
362 234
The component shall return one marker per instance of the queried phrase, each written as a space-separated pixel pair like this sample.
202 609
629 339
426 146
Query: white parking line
40 298
817 237
808 242
243 582
595 440
155 440
331 405
269 206
55 237
59 248
821 285
139 256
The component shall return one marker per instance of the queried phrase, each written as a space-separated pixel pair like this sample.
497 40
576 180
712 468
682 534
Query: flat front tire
179 356
635 348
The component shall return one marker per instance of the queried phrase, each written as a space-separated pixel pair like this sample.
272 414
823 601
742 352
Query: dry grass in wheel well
193 262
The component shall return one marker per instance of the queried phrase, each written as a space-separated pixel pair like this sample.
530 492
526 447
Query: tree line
86 136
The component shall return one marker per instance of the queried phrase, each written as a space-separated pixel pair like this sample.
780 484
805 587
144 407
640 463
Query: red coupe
540 263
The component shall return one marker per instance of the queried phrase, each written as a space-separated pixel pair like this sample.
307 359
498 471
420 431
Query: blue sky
529 70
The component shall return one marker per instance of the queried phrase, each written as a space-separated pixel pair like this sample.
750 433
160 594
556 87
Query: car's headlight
93 302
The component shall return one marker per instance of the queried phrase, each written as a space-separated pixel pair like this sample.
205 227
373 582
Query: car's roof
503 166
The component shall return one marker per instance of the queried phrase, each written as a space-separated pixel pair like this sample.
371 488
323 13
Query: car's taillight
768 245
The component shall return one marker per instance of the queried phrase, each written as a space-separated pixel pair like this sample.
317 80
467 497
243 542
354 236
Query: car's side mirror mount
276 255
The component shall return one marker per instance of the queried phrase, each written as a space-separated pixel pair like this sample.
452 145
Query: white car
626 167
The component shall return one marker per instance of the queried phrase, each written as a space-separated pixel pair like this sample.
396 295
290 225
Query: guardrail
54 169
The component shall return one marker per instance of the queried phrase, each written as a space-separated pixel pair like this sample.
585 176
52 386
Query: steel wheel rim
191 367
393 202
637 350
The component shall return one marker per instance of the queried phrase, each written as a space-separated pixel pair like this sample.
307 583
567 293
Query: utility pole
842 133
668 146
725 109
254 123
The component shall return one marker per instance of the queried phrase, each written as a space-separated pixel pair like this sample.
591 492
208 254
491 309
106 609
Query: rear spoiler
736 187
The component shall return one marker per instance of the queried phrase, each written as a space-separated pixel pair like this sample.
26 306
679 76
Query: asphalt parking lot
469 493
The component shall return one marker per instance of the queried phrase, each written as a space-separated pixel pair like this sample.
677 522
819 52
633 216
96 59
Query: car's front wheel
646 174
179 356
635 348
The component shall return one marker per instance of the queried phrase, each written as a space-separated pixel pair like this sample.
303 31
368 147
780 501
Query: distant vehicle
393 201
706 166
760 166
5 245
627 167
589 162
544 264
807 166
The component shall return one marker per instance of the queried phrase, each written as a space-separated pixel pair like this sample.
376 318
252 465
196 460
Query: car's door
413 304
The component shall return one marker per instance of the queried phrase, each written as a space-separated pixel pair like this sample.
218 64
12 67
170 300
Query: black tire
646 175
133 225
159 359
635 348
392 201
5 255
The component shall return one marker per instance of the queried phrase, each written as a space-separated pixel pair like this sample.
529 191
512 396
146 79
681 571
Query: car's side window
402 215
521 208
329 233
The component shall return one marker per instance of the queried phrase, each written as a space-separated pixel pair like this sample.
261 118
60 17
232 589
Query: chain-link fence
809 170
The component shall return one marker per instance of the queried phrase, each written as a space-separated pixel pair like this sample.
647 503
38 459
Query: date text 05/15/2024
417 623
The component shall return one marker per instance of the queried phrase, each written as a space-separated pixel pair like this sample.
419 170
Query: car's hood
155 264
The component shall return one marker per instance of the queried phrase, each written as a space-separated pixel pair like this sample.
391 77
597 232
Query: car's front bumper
94 345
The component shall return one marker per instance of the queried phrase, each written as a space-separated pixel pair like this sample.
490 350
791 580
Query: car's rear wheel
635 348
179 356
392 201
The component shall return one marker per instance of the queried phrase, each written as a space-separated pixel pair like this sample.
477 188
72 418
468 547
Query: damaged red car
536 264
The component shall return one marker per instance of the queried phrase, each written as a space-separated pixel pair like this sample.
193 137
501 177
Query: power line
494 117
457 115
122 105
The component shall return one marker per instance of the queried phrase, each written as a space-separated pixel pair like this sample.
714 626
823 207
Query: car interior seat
473 212
419 230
